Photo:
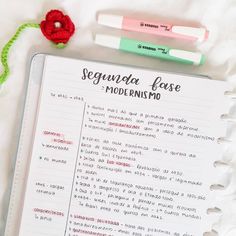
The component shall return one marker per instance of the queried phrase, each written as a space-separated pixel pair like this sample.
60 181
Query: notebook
112 150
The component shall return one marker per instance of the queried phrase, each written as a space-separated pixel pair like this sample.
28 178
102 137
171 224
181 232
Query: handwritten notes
121 151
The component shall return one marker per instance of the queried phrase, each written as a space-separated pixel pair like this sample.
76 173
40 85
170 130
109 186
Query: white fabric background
219 16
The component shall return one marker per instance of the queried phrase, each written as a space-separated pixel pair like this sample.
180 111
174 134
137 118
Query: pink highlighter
152 27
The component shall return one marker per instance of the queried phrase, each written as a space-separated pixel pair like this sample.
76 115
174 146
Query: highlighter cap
108 41
114 21
195 57
200 34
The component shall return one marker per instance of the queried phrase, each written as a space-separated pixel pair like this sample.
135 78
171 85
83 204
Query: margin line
75 170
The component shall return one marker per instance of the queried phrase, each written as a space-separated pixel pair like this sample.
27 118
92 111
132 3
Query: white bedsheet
219 16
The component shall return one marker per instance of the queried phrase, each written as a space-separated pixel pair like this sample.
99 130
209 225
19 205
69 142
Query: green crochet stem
6 48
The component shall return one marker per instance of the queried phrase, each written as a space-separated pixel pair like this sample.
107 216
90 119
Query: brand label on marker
155 26
162 50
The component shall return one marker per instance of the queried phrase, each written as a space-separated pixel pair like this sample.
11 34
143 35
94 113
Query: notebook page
122 151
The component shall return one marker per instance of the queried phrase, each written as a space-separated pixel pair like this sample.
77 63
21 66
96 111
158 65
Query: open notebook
109 150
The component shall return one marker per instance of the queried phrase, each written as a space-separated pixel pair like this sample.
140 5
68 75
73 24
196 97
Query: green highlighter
149 49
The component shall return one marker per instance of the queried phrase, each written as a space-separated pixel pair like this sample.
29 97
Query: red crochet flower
57 27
